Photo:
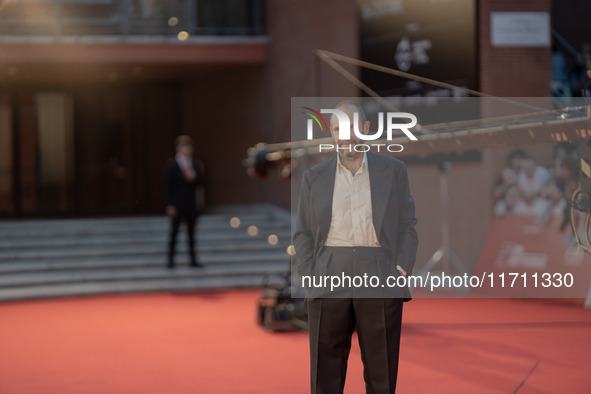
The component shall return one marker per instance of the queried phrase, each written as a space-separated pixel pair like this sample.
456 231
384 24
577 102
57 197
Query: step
246 246
176 285
147 273
48 229
60 241
128 221
153 260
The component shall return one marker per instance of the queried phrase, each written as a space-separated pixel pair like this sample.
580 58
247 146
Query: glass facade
90 149
131 17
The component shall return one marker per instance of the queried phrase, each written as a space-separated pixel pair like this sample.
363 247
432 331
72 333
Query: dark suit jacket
179 192
393 212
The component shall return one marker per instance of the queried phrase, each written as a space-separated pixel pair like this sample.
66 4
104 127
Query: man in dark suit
181 180
355 216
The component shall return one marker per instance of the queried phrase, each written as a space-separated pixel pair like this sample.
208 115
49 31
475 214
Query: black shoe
195 264
170 265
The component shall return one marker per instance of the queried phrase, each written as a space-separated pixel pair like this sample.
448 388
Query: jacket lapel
380 182
323 194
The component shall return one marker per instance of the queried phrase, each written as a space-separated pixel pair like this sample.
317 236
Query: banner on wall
527 259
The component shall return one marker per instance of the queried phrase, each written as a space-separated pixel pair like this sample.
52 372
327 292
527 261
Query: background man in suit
355 216
181 180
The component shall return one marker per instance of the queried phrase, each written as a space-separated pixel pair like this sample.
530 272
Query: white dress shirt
351 223
530 187
185 163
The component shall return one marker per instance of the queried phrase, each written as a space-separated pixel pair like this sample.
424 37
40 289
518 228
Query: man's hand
401 270
189 174
171 211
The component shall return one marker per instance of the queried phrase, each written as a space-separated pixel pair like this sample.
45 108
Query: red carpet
209 343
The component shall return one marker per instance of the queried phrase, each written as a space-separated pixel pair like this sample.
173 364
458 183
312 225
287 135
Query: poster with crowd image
511 212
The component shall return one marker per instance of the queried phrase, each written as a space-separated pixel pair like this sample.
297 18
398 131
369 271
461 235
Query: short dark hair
516 153
183 140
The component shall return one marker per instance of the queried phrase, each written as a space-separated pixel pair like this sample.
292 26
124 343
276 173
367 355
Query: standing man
181 180
355 217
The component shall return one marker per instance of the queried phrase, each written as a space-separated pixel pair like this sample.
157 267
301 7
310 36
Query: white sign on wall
520 29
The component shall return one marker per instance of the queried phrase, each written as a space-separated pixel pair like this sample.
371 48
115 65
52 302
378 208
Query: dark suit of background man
355 216
181 180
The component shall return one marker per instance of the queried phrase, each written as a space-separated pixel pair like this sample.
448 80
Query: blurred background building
93 92
92 96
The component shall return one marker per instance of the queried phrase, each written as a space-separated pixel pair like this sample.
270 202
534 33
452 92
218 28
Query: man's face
528 166
516 163
345 144
185 150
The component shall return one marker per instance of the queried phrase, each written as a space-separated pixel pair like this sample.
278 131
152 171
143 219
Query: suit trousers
190 220
331 323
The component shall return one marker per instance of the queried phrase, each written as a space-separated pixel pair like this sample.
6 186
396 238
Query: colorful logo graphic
318 118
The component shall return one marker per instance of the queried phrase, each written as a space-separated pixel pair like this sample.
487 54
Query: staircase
79 257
